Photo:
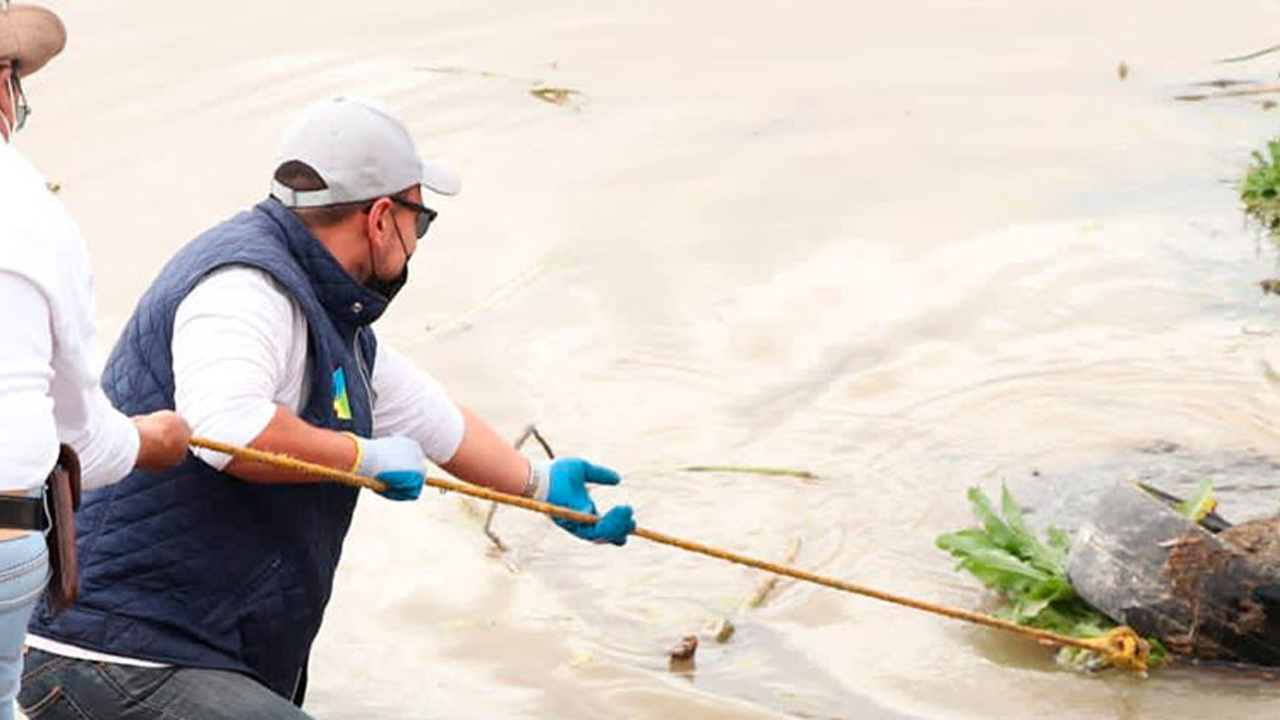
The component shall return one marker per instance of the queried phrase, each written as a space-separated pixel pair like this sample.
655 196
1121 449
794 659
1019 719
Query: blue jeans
24 572
62 688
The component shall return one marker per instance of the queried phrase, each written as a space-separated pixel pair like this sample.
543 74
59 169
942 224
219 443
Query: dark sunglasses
425 214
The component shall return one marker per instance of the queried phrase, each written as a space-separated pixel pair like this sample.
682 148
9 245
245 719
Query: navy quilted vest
194 567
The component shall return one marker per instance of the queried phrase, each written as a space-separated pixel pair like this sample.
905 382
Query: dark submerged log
1147 567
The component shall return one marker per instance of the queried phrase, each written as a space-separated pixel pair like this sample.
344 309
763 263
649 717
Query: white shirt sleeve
108 449
105 440
28 448
236 356
413 404
49 295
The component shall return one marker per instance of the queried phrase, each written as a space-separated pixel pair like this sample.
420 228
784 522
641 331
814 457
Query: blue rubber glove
396 461
564 483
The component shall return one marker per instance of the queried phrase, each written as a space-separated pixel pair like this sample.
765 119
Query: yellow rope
1121 647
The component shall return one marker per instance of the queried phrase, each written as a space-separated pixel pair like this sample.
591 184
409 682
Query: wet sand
907 247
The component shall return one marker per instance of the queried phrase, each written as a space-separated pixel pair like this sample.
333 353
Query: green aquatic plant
1029 575
1260 189
1203 502
1252 55
751 470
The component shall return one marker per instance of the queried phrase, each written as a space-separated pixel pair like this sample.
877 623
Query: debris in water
684 650
1123 70
1200 504
723 630
564 97
1260 538
54 187
1252 55
1221 83
1160 447
1210 520
748 470
1264 89
1260 189
499 547
1030 575
474 510
766 586
1165 576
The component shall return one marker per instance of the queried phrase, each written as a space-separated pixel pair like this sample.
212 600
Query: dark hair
302 177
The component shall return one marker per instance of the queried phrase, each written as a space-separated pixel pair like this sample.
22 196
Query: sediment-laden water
908 247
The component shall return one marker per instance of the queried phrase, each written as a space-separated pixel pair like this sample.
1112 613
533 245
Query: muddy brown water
909 247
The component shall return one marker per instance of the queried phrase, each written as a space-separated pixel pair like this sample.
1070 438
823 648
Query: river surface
909 247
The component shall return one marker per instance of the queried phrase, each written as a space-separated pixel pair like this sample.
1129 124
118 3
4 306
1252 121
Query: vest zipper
360 370
297 683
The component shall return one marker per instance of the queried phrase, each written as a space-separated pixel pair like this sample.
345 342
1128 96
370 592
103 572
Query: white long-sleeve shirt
49 359
240 349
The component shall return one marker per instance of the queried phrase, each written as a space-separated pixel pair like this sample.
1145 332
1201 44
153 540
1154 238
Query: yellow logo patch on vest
341 403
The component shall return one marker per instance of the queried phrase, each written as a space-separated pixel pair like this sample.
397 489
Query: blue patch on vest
341 401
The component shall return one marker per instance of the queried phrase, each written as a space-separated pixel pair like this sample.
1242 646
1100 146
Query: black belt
23 513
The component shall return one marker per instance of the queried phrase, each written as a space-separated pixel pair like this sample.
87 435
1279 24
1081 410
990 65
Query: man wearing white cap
202 598
49 365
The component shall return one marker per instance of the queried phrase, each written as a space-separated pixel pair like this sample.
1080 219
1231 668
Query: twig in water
1239 92
529 432
1252 55
749 470
766 586
532 431
723 629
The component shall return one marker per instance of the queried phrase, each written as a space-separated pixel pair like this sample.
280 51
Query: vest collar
342 296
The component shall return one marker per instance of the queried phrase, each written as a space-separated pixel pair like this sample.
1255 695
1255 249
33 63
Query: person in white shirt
48 360
258 332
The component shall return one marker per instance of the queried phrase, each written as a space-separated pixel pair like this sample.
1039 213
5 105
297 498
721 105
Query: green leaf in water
1028 573
1200 504
1252 55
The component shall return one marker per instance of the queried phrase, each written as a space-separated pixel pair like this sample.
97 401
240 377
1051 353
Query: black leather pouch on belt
63 497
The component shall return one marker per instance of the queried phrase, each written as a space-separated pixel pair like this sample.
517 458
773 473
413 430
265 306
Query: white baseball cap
360 150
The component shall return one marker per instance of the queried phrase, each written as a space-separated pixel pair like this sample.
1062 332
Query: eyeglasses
425 215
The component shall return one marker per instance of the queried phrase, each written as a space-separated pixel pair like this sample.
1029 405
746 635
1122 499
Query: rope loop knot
1123 648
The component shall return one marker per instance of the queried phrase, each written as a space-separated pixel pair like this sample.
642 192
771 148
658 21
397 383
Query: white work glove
397 461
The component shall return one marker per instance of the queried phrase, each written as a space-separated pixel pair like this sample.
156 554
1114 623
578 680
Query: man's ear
378 224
